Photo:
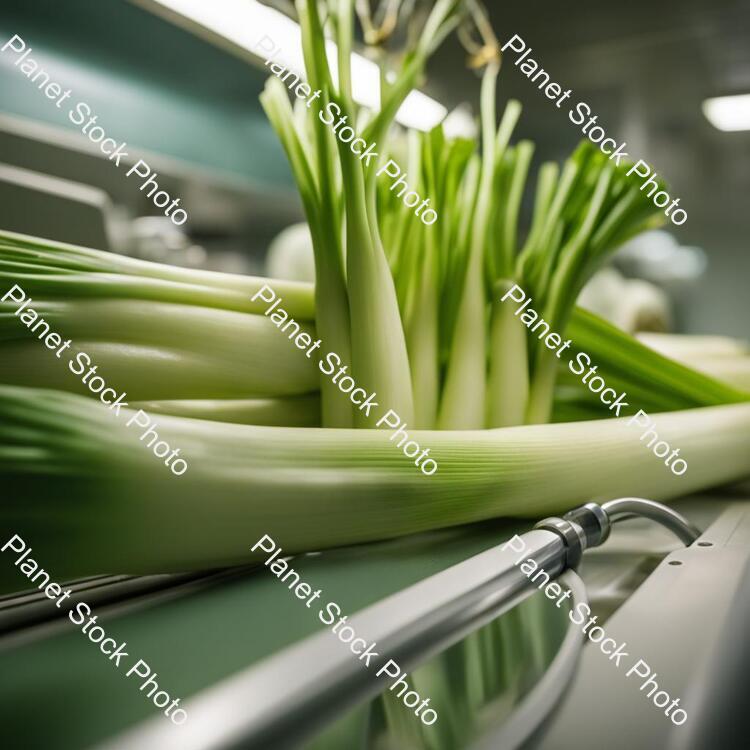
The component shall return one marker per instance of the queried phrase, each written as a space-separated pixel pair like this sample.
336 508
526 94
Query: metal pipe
290 696
628 507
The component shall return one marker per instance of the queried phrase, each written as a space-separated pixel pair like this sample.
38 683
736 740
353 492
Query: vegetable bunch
415 311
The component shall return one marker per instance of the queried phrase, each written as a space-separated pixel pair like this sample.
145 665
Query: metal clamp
589 525
572 535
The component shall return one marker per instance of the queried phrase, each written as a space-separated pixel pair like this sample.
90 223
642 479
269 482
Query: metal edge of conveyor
688 622
29 615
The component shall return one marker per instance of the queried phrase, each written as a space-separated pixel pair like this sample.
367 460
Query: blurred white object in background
161 241
728 113
290 255
683 347
461 122
630 304
720 357
658 257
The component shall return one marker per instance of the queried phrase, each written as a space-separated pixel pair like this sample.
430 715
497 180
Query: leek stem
463 402
316 488
508 388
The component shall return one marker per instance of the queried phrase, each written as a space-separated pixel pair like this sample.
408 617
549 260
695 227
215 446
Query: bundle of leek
414 311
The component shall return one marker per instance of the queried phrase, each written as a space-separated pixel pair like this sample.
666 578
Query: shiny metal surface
688 622
319 677
549 691
627 507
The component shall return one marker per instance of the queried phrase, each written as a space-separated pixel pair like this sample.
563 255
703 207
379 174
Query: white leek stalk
314 488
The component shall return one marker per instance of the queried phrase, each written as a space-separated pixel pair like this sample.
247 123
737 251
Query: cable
625 507
546 694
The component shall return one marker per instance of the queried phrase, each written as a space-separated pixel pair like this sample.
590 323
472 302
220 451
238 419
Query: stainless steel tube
290 696
630 507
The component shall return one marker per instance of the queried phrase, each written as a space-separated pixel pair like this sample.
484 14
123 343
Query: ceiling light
728 112
244 22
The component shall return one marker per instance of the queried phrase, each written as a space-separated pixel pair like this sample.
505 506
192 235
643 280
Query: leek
193 352
312 488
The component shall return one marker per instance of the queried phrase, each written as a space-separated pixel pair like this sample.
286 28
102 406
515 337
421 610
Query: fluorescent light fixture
728 113
245 22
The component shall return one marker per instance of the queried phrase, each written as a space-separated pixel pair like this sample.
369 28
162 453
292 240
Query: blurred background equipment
190 110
